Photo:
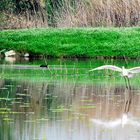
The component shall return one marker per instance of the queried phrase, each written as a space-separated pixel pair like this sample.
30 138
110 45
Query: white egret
124 72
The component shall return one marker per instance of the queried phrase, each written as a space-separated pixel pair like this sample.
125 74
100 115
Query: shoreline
98 43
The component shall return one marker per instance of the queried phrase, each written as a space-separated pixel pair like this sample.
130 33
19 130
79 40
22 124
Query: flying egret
124 72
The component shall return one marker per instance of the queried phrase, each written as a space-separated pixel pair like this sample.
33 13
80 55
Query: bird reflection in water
126 73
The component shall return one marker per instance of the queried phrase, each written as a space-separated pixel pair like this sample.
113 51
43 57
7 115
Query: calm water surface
66 102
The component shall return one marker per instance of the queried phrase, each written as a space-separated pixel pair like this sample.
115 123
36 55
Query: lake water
66 102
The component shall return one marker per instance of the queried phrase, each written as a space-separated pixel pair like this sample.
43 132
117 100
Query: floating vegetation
84 100
20 94
88 106
29 121
42 119
44 138
18 98
10 112
7 119
24 106
26 89
5 109
3 88
59 109
6 99
16 102
9 85
61 105
79 116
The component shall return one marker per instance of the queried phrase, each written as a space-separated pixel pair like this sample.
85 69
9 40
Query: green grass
71 42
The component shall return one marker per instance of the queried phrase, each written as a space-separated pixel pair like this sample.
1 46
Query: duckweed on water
88 107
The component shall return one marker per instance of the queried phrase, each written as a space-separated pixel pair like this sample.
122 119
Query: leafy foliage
68 42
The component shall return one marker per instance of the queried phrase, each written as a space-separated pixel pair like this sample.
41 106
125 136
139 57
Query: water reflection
68 111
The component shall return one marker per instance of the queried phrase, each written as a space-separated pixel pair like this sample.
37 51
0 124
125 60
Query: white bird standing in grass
124 72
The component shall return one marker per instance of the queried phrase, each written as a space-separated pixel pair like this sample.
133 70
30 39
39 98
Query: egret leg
126 82
129 83
129 103
125 107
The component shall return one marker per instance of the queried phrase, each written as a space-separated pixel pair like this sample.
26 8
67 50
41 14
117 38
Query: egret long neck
123 68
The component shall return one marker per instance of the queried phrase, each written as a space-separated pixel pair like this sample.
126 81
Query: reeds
98 13
77 13
12 21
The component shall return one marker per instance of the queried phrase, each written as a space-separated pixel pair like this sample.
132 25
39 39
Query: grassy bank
82 42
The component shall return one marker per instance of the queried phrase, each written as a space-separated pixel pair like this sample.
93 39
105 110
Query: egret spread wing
134 70
111 67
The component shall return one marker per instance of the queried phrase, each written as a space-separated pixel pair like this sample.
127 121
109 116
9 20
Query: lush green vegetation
71 42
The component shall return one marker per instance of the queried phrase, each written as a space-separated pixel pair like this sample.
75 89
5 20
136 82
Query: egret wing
134 70
111 67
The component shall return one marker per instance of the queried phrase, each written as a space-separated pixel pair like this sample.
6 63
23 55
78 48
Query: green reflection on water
66 94
69 70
